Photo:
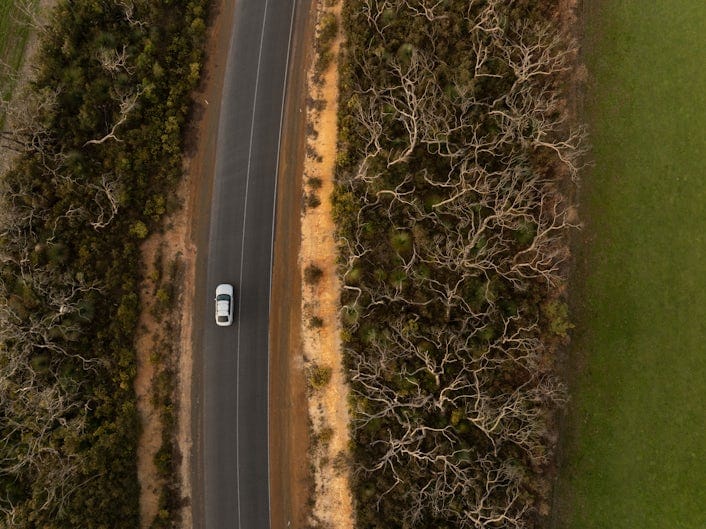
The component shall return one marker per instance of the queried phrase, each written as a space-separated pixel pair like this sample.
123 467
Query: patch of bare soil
320 332
151 434
163 348
159 352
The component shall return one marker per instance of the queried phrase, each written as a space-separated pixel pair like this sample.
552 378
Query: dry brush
456 153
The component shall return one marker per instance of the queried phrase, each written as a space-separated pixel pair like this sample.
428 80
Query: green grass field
13 39
634 455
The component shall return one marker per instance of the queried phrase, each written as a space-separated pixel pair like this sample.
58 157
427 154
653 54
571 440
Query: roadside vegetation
456 158
636 432
330 500
98 140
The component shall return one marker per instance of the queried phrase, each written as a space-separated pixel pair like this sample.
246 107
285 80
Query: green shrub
318 376
328 30
316 322
324 436
314 182
557 314
139 230
312 200
312 274
401 241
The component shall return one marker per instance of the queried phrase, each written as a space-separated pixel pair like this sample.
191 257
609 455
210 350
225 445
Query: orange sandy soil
328 407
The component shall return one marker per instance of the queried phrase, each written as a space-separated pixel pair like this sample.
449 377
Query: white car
224 305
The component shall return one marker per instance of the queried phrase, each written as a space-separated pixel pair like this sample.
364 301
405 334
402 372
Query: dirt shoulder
570 15
308 416
290 477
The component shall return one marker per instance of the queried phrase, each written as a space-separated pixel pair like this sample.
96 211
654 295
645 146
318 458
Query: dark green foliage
312 274
73 315
557 314
316 322
314 182
312 200
328 29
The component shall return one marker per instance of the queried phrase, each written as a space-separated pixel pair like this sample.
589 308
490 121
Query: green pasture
634 451
13 39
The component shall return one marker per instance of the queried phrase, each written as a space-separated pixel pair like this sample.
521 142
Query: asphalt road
234 433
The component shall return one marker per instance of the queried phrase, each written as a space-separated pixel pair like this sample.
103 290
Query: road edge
205 120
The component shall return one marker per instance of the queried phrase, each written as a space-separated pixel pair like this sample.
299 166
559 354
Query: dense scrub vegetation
455 157
99 143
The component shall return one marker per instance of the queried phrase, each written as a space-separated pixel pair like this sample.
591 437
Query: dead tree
114 61
27 115
106 199
127 102
425 8
376 10
129 13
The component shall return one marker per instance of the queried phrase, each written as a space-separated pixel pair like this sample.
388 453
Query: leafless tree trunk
26 116
127 104
113 61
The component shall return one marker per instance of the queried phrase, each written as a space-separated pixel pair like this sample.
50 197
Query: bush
557 314
314 182
328 30
312 274
139 229
312 200
316 322
318 376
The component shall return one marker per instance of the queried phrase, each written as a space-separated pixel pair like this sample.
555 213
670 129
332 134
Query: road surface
234 447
